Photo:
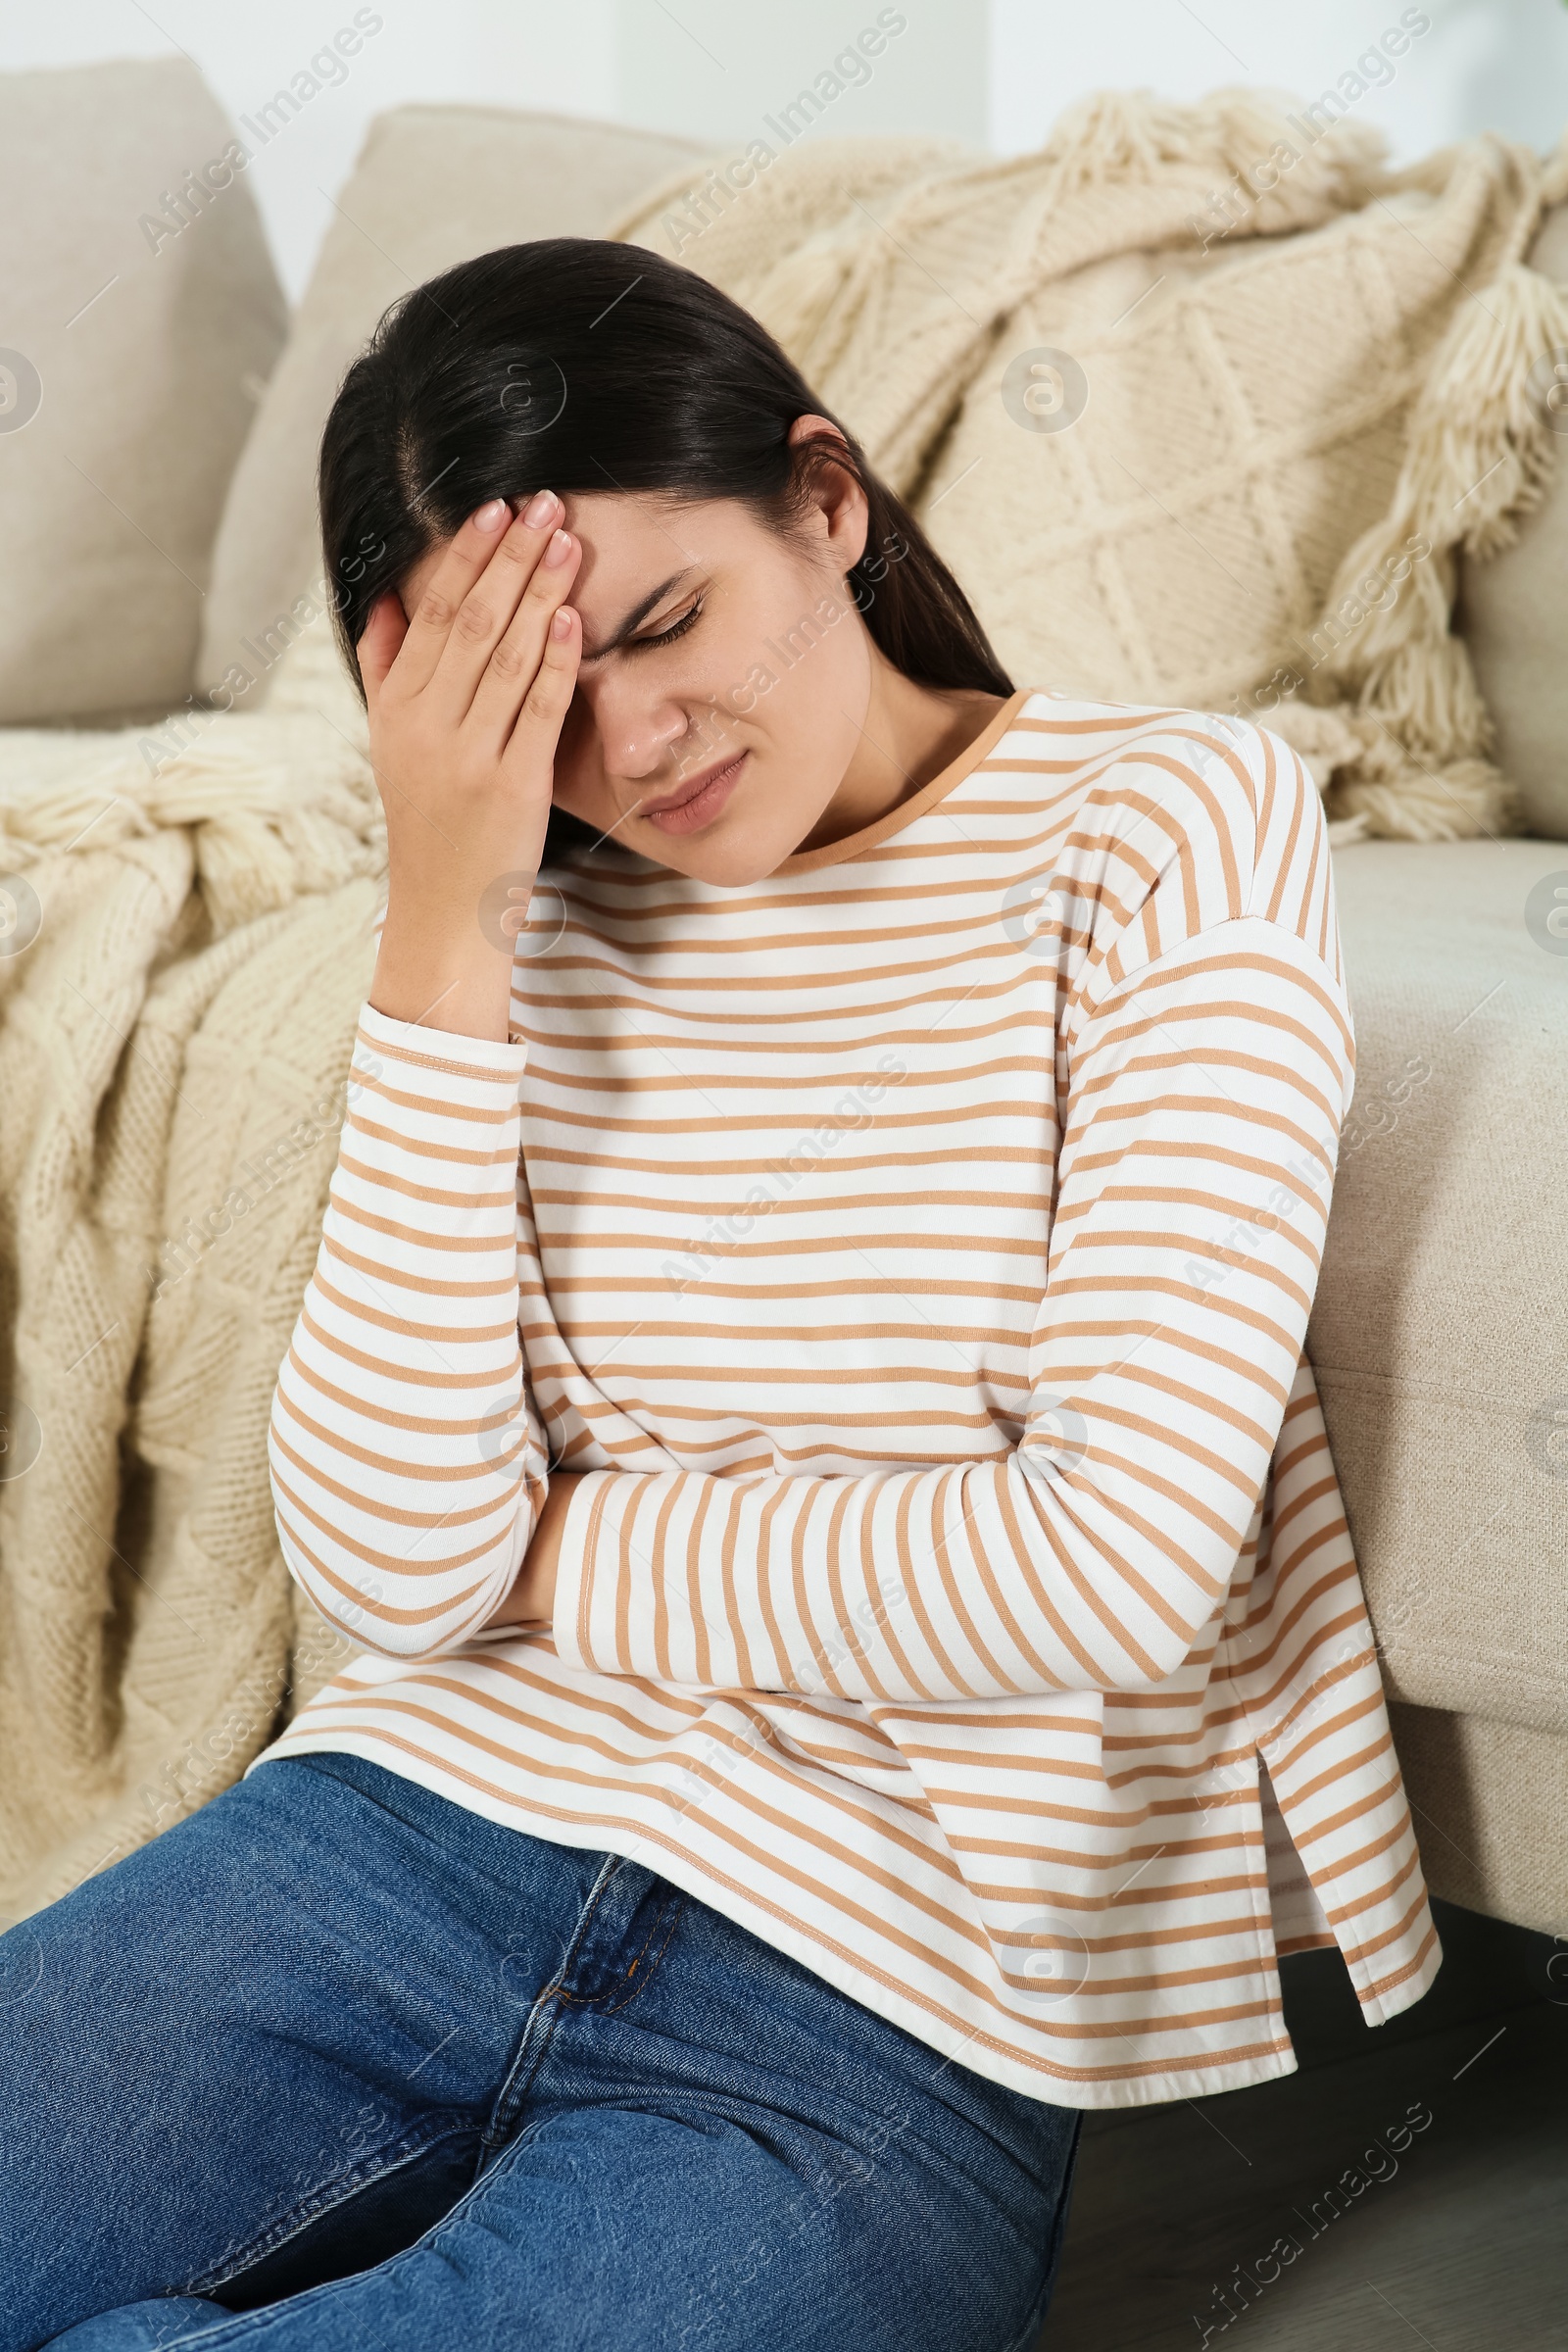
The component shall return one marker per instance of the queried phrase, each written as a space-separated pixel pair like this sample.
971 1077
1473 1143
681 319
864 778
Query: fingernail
541 509
490 515
561 626
560 549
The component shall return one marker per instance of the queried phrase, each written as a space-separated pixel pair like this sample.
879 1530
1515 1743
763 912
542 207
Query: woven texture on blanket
173 1049
1249 494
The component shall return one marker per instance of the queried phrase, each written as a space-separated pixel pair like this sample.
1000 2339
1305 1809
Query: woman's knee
162 2324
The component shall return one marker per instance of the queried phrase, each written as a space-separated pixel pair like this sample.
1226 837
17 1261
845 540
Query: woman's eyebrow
636 617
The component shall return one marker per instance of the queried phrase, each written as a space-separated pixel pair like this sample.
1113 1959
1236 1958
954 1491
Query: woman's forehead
631 539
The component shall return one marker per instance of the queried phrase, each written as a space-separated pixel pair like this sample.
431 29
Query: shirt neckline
835 853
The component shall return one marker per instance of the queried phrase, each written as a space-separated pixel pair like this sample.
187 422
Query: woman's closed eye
668 636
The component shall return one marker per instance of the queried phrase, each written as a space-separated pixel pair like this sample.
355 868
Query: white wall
991 71
489 52
1499 65
718 69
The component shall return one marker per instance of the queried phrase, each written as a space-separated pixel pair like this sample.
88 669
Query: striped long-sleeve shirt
914 1249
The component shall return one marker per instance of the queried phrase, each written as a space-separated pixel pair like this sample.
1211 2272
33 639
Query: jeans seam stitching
515 2088
606 2007
339 2190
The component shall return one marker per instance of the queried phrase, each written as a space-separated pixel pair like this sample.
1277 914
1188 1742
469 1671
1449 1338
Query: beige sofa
1438 1334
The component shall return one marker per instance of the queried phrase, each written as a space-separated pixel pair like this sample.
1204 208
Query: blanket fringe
1479 452
1126 137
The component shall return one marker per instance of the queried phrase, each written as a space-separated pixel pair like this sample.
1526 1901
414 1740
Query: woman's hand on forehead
467 695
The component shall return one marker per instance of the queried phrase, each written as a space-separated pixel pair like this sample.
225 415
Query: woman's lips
700 807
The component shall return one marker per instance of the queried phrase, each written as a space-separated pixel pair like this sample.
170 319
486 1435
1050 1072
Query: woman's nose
635 730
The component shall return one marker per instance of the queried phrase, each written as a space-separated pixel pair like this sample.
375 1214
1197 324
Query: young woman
801 1409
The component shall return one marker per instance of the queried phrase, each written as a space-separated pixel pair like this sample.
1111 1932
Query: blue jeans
337 2064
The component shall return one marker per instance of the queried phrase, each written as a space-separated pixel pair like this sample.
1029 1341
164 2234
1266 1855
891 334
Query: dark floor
1462 2246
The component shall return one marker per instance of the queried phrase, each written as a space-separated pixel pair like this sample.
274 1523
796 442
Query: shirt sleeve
1206 1085
408 1464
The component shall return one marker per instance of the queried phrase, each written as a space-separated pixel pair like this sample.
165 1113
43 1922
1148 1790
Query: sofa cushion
433 185
1439 1336
143 316
1512 610
1490 1803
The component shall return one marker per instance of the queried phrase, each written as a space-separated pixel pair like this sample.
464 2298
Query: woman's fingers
482 617
548 696
432 621
514 662
486 612
384 631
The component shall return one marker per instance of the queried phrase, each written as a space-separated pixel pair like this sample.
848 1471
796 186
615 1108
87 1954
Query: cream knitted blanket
190 939
1261 434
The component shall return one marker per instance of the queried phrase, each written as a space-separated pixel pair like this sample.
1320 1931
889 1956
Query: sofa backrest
142 318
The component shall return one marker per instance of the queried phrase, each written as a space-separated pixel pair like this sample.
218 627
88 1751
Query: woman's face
725 679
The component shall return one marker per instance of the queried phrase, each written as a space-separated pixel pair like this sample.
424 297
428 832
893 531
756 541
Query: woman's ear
835 492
